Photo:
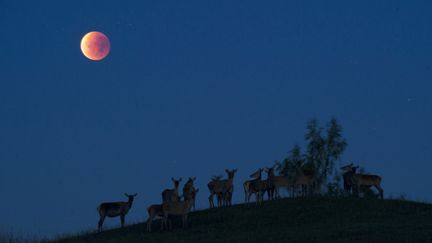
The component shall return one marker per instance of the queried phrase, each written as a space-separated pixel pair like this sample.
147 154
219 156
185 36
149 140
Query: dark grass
290 220
17 238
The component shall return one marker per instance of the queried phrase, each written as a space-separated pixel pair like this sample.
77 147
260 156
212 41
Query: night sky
191 88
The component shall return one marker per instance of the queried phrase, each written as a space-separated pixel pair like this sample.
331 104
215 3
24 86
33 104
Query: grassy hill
290 220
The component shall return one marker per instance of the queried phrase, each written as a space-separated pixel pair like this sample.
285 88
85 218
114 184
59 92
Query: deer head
131 197
176 182
231 173
191 180
256 174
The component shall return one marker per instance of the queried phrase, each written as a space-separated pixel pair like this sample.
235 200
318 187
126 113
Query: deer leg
149 221
100 223
211 200
218 198
164 222
122 220
248 199
381 191
257 197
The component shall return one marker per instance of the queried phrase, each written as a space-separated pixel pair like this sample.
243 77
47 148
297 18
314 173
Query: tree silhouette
323 151
290 164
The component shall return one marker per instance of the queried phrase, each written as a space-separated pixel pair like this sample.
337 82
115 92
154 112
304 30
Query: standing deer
171 194
115 209
270 185
154 210
211 185
246 185
175 209
222 188
259 187
347 174
305 179
359 180
278 182
189 191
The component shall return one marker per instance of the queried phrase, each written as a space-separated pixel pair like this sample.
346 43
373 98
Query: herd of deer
172 205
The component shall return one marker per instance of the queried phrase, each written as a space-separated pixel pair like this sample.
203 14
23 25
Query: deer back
281 181
258 185
177 208
366 180
155 210
113 209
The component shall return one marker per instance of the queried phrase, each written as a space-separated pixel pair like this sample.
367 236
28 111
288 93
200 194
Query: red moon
95 45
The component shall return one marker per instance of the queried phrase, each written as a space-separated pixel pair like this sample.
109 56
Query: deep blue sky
193 87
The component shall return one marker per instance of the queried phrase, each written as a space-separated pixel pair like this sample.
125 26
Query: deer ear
127 195
226 170
135 194
172 178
